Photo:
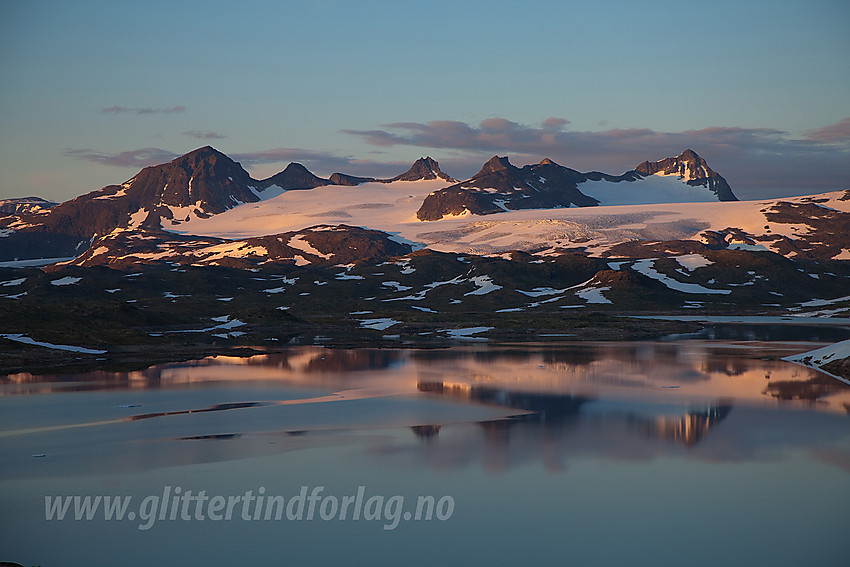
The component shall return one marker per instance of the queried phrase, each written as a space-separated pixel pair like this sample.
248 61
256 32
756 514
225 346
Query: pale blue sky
93 91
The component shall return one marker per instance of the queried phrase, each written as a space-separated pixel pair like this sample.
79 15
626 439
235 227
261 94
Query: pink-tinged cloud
839 132
554 122
204 135
260 164
265 163
125 110
757 162
281 155
133 158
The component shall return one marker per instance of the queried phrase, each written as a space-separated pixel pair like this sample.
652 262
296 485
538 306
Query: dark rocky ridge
349 180
295 176
22 205
205 180
329 245
501 186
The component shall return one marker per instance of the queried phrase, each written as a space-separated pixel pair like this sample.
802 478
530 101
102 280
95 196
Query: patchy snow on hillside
646 267
298 243
820 357
27 340
391 208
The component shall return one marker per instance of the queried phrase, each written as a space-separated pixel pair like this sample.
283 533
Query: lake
689 451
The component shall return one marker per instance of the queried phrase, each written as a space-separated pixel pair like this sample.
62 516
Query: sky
91 92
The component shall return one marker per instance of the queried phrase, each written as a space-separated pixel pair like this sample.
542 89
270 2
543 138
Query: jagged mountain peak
689 155
295 176
547 161
691 169
688 164
203 152
205 161
424 168
296 167
204 177
497 163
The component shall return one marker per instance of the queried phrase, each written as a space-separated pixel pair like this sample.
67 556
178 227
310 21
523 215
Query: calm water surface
685 452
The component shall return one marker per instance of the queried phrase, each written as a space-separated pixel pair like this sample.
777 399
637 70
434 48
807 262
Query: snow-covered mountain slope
675 203
802 226
651 190
690 169
197 185
389 206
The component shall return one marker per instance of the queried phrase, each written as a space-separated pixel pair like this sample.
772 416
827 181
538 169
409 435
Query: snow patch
693 261
465 333
297 242
378 324
67 280
425 309
541 291
396 286
137 218
594 294
24 339
485 286
646 268
35 262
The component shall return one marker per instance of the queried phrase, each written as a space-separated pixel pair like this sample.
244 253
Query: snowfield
391 207
651 190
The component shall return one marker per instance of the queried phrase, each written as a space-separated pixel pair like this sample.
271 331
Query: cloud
204 135
133 158
125 110
757 162
278 155
553 122
835 133
261 164
319 162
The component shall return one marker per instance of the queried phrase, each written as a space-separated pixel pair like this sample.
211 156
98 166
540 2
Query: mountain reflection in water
556 411
496 406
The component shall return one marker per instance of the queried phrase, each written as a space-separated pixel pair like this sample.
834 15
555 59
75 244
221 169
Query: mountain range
205 182
195 257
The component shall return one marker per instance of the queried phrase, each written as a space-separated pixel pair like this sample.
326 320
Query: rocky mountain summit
501 186
24 205
693 170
